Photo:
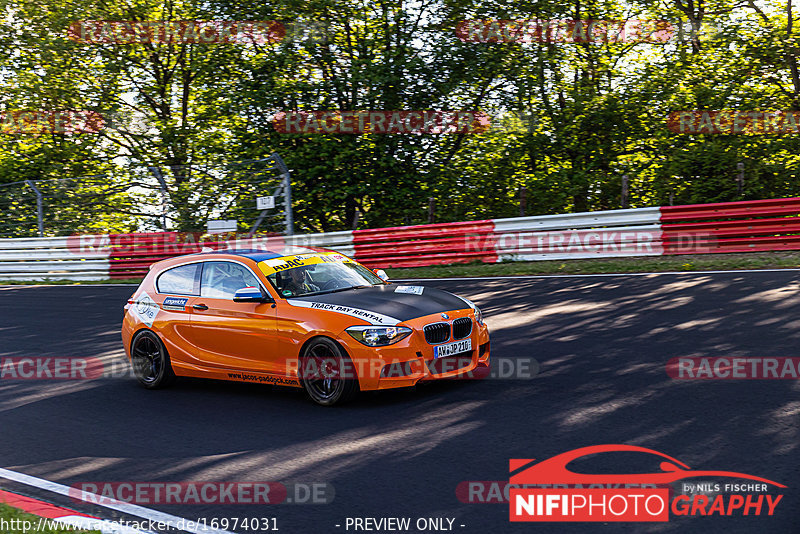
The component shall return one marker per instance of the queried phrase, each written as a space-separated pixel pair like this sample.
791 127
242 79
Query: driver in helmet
297 282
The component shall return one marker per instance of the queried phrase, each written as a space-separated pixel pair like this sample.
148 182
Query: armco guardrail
50 258
756 225
631 232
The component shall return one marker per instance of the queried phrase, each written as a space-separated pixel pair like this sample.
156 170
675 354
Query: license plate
441 351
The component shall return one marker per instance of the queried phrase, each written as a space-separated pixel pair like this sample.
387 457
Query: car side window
181 280
222 279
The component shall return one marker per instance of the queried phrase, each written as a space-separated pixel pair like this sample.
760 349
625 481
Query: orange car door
228 334
176 290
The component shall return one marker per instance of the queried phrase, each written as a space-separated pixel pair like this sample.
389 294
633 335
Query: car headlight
478 312
378 336
479 315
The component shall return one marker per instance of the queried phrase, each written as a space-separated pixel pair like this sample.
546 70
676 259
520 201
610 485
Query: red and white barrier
54 517
756 225
747 226
429 244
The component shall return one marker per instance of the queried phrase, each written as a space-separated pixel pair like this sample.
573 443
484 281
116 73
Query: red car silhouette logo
554 470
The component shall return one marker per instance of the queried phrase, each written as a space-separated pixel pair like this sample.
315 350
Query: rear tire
150 361
327 373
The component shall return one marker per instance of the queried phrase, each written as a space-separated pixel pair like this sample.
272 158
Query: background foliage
569 120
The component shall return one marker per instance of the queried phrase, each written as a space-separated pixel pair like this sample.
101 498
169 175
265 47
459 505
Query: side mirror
250 294
381 274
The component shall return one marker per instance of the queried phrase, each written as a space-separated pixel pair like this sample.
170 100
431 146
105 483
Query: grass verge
15 521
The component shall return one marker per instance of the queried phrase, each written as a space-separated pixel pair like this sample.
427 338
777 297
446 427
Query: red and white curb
105 526
57 514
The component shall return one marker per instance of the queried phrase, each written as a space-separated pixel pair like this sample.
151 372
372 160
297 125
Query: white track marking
112 504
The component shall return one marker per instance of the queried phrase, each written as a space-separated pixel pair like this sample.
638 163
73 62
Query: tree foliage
569 119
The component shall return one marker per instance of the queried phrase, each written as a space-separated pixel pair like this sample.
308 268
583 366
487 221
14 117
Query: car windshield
320 278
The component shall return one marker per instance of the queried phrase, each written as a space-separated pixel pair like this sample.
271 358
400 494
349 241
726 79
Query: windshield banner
285 263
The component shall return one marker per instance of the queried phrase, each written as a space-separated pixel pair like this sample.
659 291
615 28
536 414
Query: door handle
200 307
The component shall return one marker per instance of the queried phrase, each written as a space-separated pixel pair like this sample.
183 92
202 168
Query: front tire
150 361
327 373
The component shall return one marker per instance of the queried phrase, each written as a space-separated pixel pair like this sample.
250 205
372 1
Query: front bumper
411 360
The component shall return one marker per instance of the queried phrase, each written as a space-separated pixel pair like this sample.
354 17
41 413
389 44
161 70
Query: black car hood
383 304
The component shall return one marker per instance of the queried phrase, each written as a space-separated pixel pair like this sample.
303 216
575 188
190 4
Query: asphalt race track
602 343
